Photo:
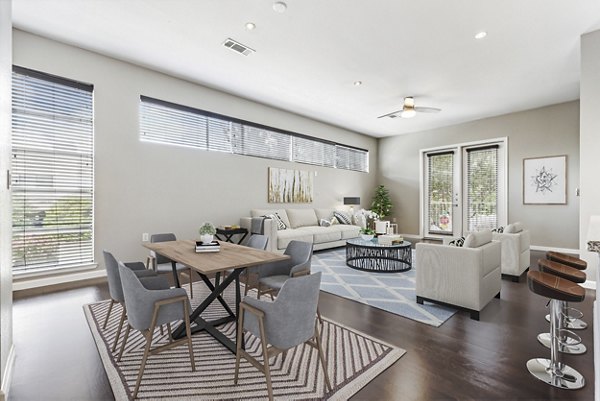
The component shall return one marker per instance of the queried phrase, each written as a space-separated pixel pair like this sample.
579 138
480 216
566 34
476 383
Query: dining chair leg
112 302
191 285
321 356
246 281
124 342
123 315
169 332
319 316
148 336
188 332
238 347
267 370
162 333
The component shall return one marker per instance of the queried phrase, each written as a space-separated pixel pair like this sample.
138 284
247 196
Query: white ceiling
307 58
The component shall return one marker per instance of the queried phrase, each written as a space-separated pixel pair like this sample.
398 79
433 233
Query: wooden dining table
230 257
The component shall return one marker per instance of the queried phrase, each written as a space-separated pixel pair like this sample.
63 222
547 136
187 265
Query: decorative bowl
366 237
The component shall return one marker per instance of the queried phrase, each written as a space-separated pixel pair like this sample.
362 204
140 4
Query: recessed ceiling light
250 25
357 83
279 6
480 35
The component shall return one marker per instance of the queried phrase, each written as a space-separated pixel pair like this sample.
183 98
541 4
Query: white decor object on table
207 232
381 226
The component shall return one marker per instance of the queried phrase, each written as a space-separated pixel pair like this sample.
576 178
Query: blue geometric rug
392 292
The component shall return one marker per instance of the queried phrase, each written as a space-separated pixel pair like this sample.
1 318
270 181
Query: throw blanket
257 225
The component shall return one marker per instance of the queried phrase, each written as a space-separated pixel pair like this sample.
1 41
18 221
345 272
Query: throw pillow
334 221
280 224
498 230
342 217
324 223
457 242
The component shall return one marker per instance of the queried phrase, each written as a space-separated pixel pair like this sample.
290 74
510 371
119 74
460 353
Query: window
52 172
169 123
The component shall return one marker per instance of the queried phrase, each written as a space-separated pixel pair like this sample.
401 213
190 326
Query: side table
230 232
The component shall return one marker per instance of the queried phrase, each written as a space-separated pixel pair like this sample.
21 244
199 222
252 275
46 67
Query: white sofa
302 225
467 277
516 243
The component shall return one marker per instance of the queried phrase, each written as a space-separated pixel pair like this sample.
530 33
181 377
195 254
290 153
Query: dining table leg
175 275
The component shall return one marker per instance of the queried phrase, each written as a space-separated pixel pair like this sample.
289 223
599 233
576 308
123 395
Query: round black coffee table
373 257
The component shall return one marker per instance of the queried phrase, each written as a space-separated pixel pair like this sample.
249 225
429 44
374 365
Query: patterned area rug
353 359
392 292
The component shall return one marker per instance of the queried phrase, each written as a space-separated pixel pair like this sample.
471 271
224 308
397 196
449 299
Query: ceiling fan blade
427 109
390 114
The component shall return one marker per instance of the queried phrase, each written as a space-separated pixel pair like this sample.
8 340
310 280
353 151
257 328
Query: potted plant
367 233
207 232
382 202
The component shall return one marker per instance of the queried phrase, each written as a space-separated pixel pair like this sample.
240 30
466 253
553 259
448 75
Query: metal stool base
572 324
570 379
569 348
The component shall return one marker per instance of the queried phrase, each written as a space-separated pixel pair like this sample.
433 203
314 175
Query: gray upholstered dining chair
148 278
283 324
162 265
272 276
250 275
147 309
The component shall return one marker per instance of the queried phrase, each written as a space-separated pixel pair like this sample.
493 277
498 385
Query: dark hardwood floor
461 360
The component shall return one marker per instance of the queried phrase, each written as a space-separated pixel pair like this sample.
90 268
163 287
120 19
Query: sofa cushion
514 228
324 223
263 212
477 239
323 234
285 236
342 217
360 220
302 217
347 231
326 214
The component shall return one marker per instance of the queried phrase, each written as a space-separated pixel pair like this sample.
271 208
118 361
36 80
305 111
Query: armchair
147 309
466 277
284 324
516 242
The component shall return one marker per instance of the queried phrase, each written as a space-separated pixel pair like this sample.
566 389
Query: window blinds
174 124
482 188
440 167
52 172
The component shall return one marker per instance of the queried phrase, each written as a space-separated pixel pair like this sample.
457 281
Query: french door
464 189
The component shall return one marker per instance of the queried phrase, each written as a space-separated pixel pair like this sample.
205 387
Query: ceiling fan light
408 113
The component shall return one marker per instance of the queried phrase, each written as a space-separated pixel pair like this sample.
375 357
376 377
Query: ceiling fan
409 110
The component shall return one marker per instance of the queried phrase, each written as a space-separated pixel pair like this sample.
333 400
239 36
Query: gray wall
552 130
144 187
5 202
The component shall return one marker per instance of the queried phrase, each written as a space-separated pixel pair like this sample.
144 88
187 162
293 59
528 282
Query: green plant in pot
382 202
207 232
367 233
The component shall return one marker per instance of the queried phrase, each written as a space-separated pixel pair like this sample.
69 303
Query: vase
366 237
206 238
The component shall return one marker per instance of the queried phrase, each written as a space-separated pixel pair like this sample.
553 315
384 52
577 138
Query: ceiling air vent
238 47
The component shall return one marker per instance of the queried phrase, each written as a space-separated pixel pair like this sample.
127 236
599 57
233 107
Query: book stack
202 247
390 239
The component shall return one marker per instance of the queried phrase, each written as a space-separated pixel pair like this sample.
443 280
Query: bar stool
570 343
574 321
552 371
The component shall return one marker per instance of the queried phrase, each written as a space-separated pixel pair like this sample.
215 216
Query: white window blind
482 188
440 173
174 124
52 172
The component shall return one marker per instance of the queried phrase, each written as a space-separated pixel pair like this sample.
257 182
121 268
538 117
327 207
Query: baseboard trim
550 248
54 280
8 374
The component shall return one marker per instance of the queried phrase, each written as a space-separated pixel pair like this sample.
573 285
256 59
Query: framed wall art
290 186
545 180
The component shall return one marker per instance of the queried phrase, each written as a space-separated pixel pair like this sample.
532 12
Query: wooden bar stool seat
552 371
568 260
570 343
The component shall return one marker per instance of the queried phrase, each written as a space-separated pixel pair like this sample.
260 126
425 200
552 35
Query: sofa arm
270 230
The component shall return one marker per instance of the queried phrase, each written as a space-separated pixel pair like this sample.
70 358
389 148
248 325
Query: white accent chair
466 277
516 243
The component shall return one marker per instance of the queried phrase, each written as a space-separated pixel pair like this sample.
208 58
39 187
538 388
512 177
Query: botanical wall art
545 180
290 186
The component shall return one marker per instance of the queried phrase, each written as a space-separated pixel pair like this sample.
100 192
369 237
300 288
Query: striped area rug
353 359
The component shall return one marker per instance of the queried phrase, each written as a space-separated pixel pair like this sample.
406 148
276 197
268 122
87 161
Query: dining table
231 258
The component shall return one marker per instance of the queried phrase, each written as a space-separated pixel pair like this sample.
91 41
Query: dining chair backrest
300 254
114 279
258 241
164 237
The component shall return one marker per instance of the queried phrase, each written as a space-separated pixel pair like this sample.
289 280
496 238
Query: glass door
442 195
